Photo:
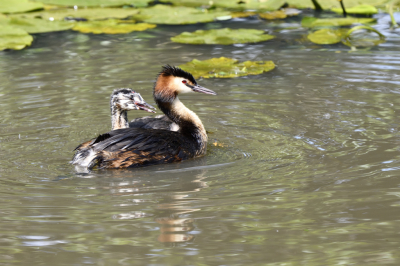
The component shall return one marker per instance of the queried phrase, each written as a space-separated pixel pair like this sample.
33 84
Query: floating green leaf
329 4
310 22
85 13
327 36
110 26
163 14
361 9
280 14
357 37
232 4
16 6
226 68
243 14
224 36
32 25
354 37
14 38
96 3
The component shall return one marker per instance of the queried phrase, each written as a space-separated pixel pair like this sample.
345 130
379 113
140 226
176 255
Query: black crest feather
123 90
168 70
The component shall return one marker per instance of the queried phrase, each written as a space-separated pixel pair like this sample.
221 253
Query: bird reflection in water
175 225
174 204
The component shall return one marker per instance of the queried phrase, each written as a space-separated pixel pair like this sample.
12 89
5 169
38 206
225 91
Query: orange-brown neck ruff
189 123
163 90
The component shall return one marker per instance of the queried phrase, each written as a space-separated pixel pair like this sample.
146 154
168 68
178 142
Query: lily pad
110 26
360 36
361 9
231 4
280 14
96 3
32 25
14 38
226 68
310 22
243 14
327 36
163 14
329 4
16 6
224 36
81 13
356 36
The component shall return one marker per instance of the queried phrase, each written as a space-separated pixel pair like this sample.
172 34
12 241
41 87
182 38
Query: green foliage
14 38
231 4
32 25
359 37
311 22
356 36
16 6
110 26
86 13
327 36
243 14
163 14
226 68
361 9
280 14
224 36
330 4
95 3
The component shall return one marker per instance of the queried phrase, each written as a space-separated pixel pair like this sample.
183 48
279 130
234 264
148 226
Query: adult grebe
134 147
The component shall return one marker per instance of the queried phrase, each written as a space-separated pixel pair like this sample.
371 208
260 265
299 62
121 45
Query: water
304 169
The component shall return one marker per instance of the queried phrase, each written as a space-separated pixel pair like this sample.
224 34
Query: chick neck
119 117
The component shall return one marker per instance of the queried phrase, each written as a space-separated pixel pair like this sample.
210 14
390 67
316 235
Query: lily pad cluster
14 38
110 26
272 15
125 16
331 32
163 14
226 68
224 36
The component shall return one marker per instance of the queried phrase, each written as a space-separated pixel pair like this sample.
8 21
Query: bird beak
198 88
145 107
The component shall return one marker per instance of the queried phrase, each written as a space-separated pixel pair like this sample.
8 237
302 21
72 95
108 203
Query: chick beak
198 88
145 107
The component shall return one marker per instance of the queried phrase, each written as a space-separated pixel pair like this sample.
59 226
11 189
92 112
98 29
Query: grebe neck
189 123
119 118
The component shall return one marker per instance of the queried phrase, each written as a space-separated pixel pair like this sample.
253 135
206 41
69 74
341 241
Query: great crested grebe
134 147
121 101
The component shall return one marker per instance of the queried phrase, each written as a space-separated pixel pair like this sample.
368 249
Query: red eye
184 81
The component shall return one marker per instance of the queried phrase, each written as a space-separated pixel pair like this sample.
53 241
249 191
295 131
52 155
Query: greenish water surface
306 171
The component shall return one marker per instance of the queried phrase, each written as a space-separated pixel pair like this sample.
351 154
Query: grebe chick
134 147
121 101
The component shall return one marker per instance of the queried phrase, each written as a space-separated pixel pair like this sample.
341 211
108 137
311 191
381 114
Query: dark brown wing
134 147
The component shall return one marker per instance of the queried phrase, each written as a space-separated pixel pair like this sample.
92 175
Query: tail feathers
84 160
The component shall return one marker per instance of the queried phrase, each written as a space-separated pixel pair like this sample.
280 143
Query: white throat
119 119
